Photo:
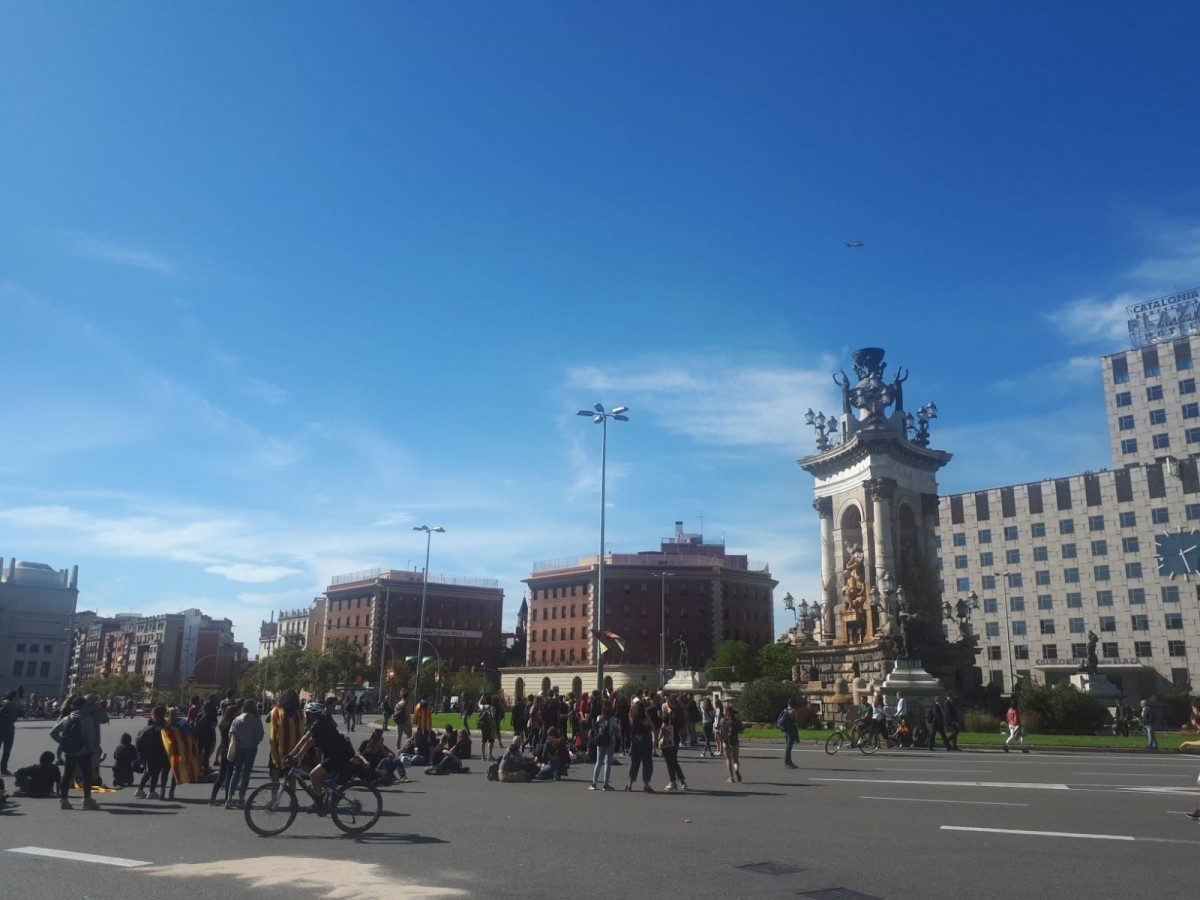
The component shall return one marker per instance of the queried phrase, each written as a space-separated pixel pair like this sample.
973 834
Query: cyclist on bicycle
335 748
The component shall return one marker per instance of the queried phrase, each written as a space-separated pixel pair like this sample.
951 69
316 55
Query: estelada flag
183 754
609 640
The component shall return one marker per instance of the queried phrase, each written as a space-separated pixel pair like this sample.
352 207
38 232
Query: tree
764 698
734 662
776 661
113 686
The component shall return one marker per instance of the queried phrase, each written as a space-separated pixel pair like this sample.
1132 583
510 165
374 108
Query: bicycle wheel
270 809
869 743
834 743
356 807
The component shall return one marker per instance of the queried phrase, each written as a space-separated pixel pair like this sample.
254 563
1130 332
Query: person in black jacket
935 722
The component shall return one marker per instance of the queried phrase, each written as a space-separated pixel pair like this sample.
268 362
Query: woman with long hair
641 745
731 727
223 727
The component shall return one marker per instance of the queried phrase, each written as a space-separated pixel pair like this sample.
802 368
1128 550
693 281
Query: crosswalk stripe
81 857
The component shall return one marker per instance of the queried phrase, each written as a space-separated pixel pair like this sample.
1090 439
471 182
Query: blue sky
280 281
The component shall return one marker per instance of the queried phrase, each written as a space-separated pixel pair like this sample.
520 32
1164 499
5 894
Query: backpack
71 739
149 740
782 721
603 734
484 723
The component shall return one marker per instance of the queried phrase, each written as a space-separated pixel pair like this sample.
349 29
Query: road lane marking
952 771
1063 834
1039 786
1129 774
81 857
927 800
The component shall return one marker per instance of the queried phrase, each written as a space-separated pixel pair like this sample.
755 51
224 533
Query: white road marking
81 857
927 800
1040 786
1119 774
952 771
1065 834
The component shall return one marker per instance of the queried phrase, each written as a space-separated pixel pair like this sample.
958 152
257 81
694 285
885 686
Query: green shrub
1059 707
764 698
980 721
1178 708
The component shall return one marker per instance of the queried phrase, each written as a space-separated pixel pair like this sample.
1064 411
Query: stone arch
519 688
545 686
577 686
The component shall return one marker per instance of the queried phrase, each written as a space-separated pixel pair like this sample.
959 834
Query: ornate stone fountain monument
880 620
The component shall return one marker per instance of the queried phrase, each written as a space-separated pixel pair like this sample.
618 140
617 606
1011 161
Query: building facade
1114 552
670 607
37 611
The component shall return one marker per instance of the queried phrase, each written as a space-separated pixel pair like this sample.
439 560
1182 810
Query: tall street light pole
662 629
1008 639
424 593
383 634
600 417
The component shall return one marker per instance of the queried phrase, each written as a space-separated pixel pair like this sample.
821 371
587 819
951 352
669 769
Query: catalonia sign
1163 319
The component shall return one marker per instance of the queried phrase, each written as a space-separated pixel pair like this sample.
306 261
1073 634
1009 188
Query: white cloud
264 391
123 255
1092 319
252 573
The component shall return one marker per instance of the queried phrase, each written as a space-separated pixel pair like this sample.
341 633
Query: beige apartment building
1114 552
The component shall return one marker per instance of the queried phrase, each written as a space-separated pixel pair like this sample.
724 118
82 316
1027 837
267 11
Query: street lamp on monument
600 417
424 593
662 630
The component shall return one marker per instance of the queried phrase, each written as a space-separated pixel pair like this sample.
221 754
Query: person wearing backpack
153 752
604 739
8 729
787 724
78 738
486 723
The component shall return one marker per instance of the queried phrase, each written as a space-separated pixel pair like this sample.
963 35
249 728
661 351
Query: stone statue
681 651
1093 664
854 592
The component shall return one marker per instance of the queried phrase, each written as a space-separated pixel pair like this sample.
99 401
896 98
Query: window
1141 649
1018 628
1130 545
989 604
1075 626
1040 554
1109 650
1010 532
1192 435
45 670
1066 526
1120 370
1160 516
1140 622
1174 621
987 582
986 559
1046 626
993 653
1187 386
1133 570
1104 598
1016 604
985 535
1069 551
1074 600
1071 576
1045 601
1170 593
963 584
1100 573
1099 548
1078 651
960 562
1095 523
1160 441
1049 651
1108 623
1128 519
1015 579
1150 364
1176 648
1012 557
1037 530
1192 512
1191 410
1158 417
1125 398
1137 596
991 629
1041 577
18 668
960 539
1021 651
1125 423
1154 392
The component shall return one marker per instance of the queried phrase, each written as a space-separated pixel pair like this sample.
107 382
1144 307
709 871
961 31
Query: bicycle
866 742
272 807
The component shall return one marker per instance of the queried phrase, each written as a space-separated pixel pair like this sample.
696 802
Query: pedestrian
604 739
402 714
124 759
787 724
422 716
205 730
77 738
285 727
935 723
641 745
153 753
9 709
731 726
224 763
708 722
953 723
245 734
1148 724
694 718
668 740
1015 729
349 713
1193 727
385 707
487 725
717 713
1194 814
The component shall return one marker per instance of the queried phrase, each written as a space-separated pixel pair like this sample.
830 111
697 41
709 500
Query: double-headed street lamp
424 593
599 416
662 630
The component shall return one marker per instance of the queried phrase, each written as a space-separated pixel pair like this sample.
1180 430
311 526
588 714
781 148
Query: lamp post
1008 638
662 629
600 417
424 593
960 612
789 603
387 602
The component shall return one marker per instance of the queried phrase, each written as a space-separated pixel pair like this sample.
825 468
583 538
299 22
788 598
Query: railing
414 576
653 561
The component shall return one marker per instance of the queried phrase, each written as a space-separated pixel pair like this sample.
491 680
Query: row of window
1101 572
31 668
1158 417
553 612
1151 366
1074 599
1138 622
33 648
1108 650
1041 553
1128 519
1154 392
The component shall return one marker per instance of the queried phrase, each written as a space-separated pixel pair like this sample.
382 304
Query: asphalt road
900 824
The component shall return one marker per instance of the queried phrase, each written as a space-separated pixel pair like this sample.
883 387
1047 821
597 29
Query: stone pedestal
910 676
686 681
1097 686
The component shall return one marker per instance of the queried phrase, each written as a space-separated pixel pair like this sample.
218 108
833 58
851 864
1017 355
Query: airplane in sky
854 243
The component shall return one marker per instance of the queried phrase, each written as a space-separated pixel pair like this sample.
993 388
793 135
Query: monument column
829 599
881 491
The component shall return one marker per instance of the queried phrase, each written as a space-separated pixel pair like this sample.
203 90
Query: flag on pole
608 641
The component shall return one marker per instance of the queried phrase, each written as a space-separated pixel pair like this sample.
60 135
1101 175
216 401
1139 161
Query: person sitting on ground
452 759
375 752
516 765
124 758
903 735
41 780
554 757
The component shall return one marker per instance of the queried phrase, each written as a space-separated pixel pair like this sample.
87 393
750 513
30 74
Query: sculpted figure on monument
1093 664
854 591
872 394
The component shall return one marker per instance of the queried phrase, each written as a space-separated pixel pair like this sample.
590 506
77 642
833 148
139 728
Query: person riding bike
335 748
